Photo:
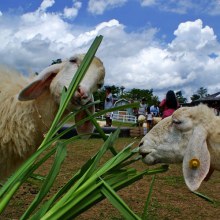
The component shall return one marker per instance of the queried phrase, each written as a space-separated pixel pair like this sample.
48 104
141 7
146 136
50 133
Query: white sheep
156 120
102 123
28 107
141 118
191 136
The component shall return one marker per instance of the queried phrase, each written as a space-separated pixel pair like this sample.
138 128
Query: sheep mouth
148 158
144 153
77 102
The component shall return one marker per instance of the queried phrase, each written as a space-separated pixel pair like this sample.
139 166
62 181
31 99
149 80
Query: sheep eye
177 122
73 60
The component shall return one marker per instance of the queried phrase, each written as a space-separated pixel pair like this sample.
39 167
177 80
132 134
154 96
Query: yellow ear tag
194 163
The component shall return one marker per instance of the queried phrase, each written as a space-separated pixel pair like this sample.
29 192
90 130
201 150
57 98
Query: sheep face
181 137
92 81
163 144
58 76
54 78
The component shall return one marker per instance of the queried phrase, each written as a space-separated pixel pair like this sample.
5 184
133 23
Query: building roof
213 97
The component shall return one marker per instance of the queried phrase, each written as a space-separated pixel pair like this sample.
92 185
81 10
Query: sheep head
54 78
181 137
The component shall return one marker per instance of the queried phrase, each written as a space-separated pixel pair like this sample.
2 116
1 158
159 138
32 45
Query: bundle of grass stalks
93 182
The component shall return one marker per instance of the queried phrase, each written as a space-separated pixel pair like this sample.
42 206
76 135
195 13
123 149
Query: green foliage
180 97
194 97
200 93
133 94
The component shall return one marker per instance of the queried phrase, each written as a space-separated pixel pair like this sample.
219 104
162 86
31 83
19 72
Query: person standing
142 107
155 110
169 104
149 116
108 105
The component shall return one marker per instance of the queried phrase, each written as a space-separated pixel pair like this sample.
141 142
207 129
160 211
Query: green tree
138 94
133 94
194 97
202 92
115 90
180 97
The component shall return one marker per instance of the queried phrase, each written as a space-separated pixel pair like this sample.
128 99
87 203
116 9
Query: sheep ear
87 127
41 83
196 162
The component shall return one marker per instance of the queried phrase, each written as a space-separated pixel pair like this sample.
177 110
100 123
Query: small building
211 100
122 102
125 115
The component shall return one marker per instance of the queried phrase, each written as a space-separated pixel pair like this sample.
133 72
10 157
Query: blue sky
158 44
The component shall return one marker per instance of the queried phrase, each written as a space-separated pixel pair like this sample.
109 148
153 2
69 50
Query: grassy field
170 198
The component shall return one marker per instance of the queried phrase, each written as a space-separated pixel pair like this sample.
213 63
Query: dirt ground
170 198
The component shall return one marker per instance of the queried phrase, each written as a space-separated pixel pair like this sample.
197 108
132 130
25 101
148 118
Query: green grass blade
63 190
90 170
145 213
117 202
8 195
64 210
203 196
59 158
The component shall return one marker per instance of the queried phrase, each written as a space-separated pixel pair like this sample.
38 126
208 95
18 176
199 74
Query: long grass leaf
145 213
87 174
116 201
59 158
203 196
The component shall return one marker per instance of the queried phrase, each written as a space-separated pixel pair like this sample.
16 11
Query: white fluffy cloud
73 11
134 60
98 7
184 6
45 5
190 61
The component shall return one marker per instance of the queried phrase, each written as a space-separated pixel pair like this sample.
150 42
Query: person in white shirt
142 108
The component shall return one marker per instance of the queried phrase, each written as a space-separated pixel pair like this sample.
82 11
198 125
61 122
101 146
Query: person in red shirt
169 104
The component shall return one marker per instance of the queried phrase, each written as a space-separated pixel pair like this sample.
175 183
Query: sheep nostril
141 144
143 155
82 93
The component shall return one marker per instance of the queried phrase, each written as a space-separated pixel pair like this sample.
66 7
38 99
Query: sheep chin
149 161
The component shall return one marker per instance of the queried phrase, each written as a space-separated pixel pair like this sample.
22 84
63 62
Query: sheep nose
82 93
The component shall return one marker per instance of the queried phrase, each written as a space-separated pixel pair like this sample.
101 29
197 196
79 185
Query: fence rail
122 118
